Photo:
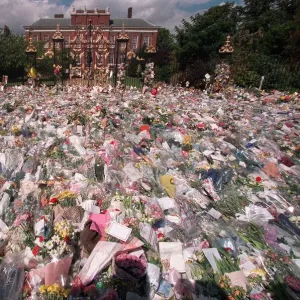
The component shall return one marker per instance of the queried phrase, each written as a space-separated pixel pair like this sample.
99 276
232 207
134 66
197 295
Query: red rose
66 239
53 201
287 98
41 239
258 179
35 250
160 235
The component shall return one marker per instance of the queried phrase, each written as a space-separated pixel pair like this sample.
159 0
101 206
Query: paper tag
285 247
3 226
248 266
119 231
171 255
89 206
79 129
211 254
296 262
238 278
39 227
9 138
137 253
149 235
166 203
214 213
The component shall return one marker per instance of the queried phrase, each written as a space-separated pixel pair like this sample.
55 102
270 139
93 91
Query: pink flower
204 244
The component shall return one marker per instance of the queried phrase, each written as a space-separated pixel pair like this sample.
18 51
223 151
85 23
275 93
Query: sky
165 13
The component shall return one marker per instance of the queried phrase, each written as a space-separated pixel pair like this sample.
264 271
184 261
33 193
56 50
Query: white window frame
111 58
135 46
148 41
114 39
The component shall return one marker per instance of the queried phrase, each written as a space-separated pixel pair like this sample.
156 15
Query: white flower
56 239
37 242
49 245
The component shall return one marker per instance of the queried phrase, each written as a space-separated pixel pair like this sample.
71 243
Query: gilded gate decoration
79 46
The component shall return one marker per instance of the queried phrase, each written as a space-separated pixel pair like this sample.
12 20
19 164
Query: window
67 41
122 59
146 40
134 42
46 38
34 38
112 39
47 45
111 58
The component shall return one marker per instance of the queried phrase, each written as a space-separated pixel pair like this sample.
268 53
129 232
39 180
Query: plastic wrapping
189 171
12 277
219 177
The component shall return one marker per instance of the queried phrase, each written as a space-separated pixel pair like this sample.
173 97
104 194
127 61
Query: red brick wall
97 19
41 36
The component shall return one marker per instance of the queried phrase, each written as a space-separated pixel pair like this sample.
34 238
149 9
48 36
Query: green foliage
165 40
13 60
205 33
265 36
163 73
12 55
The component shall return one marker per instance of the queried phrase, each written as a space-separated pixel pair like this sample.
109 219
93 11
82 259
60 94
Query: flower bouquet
232 201
53 292
253 235
64 198
129 267
233 292
153 212
59 244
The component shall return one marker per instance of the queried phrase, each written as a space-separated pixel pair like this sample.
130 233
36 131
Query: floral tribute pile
189 195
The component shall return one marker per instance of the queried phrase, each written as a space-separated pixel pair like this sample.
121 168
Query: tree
204 34
165 40
12 55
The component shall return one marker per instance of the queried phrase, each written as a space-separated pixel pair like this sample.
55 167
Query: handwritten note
119 231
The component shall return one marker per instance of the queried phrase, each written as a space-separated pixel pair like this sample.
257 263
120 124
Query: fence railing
247 71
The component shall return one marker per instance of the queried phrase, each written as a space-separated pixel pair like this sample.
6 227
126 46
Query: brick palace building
105 31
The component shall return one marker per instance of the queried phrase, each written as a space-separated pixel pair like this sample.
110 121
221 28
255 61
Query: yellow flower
259 272
43 289
66 293
56 287
50 290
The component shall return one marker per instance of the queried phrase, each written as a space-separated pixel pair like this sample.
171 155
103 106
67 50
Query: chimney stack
130 13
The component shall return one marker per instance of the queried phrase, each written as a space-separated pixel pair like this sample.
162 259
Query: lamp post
89 57
150 50
226 50
58 39
122 38
31 54
223 70
31 61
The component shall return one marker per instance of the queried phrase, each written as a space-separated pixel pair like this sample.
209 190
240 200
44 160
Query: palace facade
101 39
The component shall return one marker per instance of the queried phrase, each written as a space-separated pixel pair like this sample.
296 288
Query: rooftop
52 22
